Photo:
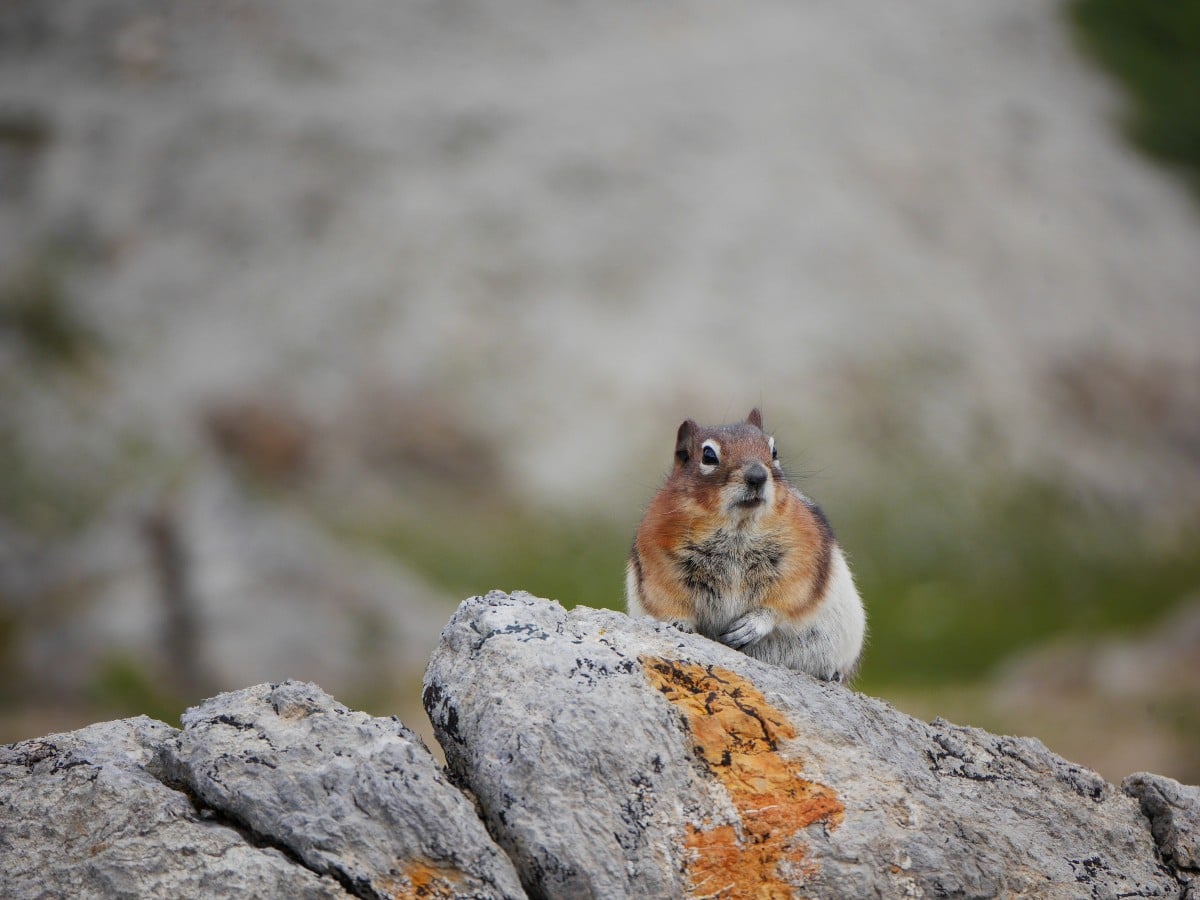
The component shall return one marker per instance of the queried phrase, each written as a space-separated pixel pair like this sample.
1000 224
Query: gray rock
614 757
610 758
357 797
1174 813
83 815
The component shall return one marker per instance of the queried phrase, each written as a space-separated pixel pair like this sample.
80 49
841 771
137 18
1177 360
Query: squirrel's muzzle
754 480
755 475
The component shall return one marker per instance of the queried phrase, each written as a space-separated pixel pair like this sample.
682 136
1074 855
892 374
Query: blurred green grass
575 560
37 310
978 575
1153 50
956 577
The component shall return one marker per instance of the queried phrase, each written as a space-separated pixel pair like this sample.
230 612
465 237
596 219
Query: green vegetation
35 308
1153 48
24 131
53 497
123 687
955 578
578 561
35 497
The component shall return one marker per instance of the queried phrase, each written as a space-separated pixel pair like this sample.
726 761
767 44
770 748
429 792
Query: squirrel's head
736 466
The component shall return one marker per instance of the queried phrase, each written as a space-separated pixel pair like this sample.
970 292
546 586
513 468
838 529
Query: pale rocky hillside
379 248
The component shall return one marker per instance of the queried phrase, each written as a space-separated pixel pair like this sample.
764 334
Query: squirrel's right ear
684 441
755 418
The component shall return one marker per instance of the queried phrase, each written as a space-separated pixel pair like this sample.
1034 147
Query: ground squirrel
731 548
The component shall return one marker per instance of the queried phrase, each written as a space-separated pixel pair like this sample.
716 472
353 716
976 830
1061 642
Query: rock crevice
279 789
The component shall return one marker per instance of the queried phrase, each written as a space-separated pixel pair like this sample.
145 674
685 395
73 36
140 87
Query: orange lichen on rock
423 879
736 734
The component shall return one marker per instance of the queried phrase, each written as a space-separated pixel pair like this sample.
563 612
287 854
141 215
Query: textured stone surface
356 797
83 815
1174 813
614 757
610 758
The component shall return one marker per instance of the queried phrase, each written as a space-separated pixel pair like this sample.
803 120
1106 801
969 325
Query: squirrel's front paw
753 626
683 625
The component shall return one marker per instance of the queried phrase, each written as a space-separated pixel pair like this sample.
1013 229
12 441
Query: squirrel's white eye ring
774 452
709 455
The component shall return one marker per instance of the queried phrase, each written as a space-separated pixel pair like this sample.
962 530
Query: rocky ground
589 755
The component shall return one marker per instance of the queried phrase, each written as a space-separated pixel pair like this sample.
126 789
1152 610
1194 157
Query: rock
613 757
84 815
610 757
1174 813
273 791
351 796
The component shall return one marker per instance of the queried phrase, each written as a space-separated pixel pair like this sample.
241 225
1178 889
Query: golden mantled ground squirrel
731 548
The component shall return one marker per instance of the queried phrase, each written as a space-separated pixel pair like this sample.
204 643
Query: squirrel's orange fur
731 548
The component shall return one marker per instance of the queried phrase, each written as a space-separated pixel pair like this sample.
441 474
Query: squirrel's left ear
685 440
755 418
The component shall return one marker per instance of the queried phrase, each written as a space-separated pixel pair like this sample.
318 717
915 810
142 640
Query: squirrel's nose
755 475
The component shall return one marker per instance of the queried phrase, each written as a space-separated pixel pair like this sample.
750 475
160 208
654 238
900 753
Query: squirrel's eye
709 457
774 452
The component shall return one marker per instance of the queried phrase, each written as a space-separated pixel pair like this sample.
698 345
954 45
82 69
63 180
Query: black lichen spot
34 752
1086 870
530 631
635 813
433 698
226 719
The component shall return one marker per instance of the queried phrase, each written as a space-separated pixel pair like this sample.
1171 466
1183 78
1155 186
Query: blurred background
316 318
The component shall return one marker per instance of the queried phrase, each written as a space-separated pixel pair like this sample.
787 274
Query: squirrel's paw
683 625
753 626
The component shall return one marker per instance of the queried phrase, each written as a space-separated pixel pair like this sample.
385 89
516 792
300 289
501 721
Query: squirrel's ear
755 418
684 439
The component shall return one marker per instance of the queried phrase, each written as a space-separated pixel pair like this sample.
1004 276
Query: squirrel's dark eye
709 457
774 452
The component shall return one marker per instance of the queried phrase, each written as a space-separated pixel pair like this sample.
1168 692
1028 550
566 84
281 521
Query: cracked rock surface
1174 813
273 791
613 757
608 758
351 796
83 815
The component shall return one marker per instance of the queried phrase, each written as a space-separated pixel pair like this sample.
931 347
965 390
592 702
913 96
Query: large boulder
614 757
